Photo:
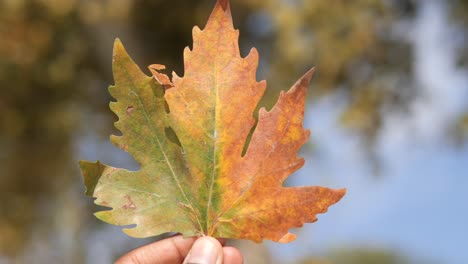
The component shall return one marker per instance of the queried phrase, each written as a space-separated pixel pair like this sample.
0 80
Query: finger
166 251
232 256
206 250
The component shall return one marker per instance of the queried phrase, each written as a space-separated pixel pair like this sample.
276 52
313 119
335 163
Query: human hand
177 250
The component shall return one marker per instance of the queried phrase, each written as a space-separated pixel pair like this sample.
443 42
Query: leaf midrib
215 146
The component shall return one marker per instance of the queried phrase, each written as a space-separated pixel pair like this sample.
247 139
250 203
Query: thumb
206 250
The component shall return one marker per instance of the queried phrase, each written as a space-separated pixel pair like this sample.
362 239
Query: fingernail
205 250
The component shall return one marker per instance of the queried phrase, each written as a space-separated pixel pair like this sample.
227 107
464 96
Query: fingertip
205 250
232 256
215 241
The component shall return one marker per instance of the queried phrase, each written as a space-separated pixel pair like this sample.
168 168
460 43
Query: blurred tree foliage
367 256
55 62
360 256
460 10
461 131
43 54
353 46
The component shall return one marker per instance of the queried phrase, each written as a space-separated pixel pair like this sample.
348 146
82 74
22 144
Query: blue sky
417 204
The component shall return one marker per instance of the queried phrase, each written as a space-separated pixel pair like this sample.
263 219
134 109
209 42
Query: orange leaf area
188 135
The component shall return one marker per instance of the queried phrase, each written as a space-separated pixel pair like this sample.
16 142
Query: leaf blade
162 161
188 135
214 70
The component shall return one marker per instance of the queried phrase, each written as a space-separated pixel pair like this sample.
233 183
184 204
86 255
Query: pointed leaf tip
91 172
287 238
310 73
224 4
220 16
118 46
308 76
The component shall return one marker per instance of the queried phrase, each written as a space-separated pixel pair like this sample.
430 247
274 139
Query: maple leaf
188 136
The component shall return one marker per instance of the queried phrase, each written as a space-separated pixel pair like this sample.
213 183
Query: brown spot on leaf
130 109
130 204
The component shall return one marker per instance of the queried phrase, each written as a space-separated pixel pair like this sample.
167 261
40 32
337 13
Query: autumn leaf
188 136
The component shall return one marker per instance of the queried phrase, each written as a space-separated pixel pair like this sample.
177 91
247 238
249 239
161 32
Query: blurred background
388 110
